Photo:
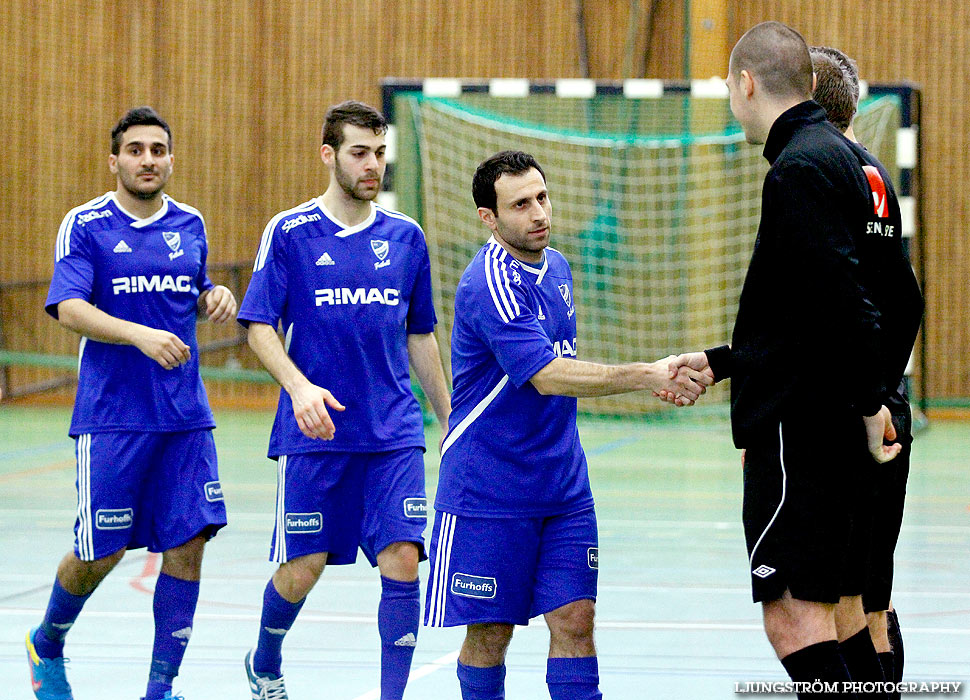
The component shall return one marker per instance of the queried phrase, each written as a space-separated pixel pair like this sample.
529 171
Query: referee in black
810 358
898 297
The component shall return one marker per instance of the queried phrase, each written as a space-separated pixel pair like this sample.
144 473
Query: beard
132 186
353 189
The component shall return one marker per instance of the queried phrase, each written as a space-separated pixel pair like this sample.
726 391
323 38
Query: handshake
687 377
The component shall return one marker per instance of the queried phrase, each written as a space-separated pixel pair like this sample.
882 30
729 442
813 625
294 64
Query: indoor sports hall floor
674 614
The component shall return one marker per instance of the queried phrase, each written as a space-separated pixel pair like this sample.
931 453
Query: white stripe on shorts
442 567
784 485
279 546
85 535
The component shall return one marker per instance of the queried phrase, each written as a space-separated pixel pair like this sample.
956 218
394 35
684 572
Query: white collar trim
345 230
540 272
142 223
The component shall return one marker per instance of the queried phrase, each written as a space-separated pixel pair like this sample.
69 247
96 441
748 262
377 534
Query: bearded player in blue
350 282
130 278
515 531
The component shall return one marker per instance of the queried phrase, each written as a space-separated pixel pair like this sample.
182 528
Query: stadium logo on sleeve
114 519
878 187
303 523
593 557
213 491
473 586
92 215
381 249
174 241
416 507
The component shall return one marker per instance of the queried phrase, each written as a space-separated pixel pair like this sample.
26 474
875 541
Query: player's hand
220 304
683 385
310 404
167 349
878 427
688 375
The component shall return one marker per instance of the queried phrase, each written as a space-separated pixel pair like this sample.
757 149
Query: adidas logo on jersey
122 247
541 316
408 640
325 259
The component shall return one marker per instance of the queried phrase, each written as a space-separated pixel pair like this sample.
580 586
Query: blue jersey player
515 531
130 278
350 282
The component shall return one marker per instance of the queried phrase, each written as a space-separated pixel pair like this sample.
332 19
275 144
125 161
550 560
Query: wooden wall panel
245 86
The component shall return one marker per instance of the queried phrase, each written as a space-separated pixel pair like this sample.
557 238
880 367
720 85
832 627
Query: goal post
656 197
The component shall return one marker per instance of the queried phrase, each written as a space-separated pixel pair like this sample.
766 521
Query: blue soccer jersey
511 451
347 299
148 271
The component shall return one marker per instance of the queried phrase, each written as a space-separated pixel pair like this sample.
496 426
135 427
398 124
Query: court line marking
426 670
536 623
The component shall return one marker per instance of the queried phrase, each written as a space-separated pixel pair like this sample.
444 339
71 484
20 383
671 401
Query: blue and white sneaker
169 695
264 686
47 676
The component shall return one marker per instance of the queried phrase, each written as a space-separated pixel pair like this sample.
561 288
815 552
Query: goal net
655 203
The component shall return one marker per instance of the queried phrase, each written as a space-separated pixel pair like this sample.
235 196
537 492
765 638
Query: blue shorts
335 502
509 569
137 489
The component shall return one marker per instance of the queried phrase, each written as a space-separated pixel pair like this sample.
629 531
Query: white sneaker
264 686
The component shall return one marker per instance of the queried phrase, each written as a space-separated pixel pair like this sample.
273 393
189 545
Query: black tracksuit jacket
830 306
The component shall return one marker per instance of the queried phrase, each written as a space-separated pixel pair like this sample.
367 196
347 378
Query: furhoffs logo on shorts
416 507
302 523
213 491
473 586
115 519
593 557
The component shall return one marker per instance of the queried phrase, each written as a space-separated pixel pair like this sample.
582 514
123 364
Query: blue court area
674 614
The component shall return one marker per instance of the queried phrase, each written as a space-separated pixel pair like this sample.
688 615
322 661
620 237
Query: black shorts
887 518
803 484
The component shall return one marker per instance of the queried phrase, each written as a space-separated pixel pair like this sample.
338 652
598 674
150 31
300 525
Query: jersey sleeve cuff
527 372
719 359
244 319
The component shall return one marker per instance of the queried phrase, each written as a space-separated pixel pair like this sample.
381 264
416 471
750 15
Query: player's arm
218 304
564 377
166 348
310 401
425 358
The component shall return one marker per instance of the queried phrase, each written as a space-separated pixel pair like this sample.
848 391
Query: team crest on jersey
566 296
174 241
381 249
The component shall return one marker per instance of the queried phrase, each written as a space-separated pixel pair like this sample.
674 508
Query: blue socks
573 679
62 610
481 683
174 607
398 619
278 616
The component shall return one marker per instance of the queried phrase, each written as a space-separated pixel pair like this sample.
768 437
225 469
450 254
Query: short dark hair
491 169
834 89
350 112
137 116
777 56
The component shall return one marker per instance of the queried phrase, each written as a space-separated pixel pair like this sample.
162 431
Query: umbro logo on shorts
593 557
213 491
416 507
303 523
763 571
115 519
473 586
